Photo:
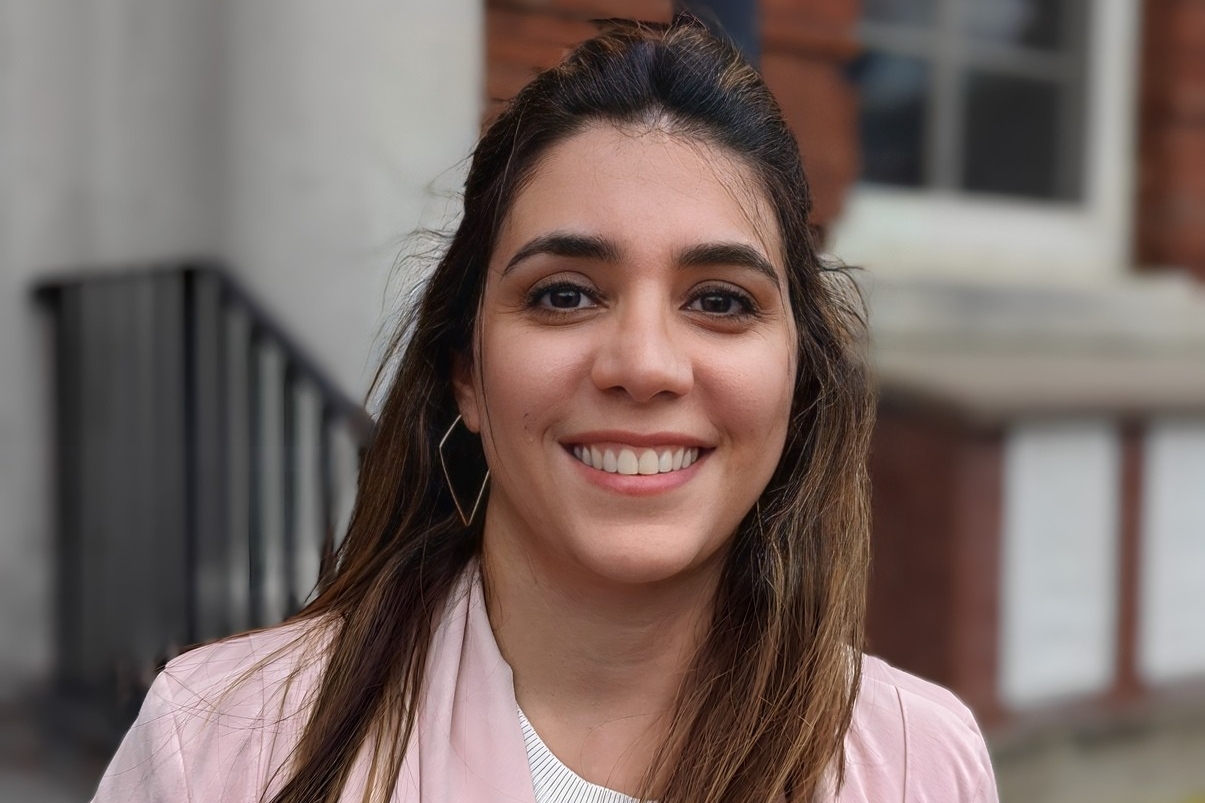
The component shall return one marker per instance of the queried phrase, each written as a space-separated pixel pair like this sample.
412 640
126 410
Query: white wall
296 139
341 115
1172 610
1059 590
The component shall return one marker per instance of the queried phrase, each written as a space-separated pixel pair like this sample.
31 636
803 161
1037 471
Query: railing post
193 470
289 491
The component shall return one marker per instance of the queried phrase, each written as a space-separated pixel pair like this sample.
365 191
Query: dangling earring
448 477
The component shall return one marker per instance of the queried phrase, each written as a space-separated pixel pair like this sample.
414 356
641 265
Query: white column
347 125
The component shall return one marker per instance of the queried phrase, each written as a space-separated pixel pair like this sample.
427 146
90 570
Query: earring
448 477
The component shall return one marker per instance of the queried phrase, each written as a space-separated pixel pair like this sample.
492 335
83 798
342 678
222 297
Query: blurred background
205 218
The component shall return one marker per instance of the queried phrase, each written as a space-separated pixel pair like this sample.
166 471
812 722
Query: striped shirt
556 783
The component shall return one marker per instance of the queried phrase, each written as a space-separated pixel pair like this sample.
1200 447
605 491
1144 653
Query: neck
597 665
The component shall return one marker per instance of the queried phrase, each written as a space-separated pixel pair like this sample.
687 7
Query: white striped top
556 783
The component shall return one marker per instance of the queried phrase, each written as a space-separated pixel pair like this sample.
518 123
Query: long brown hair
764 708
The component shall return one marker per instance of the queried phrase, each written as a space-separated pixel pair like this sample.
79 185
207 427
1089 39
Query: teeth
610 464
649 462
630 462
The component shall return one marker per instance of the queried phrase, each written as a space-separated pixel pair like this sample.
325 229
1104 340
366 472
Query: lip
647 440
637 484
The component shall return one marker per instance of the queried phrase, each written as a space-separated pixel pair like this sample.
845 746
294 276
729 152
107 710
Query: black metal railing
205 469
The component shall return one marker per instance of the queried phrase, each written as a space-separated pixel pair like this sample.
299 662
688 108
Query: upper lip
643 439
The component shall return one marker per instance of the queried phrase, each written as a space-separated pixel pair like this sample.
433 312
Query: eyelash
748 307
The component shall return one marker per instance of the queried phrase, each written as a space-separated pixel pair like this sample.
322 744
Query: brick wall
1171 177
523 37
805 47
934 589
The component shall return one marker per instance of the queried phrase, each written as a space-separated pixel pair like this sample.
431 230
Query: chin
642 563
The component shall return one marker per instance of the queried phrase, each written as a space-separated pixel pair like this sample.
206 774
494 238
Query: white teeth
649 462
610 464
629 463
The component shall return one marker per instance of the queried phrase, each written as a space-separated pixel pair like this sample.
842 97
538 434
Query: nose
643 354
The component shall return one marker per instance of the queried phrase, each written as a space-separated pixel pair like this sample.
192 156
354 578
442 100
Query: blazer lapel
470 746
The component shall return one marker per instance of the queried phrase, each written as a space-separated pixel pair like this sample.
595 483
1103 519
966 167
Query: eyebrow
735 254
600 249
564 244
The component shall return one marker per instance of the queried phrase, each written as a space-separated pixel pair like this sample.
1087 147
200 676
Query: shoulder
933 705
260 660
220 720
916 739
254 688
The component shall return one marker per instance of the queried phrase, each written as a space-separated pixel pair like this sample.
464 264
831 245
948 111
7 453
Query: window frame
897 231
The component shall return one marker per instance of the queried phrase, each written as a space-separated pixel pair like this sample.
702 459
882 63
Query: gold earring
448 478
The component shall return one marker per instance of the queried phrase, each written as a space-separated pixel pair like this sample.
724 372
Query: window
995 137
975 96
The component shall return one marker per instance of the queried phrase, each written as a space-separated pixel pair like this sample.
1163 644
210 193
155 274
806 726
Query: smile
633 460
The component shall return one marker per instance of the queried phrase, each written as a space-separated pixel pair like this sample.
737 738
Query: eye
717 303
564 298
561 296
723 302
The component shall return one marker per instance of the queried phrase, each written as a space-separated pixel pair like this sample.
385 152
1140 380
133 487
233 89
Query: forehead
644 188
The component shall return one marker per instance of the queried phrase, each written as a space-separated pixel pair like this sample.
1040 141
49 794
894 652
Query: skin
636 296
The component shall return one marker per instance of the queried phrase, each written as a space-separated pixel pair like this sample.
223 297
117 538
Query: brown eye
561 297
717 304
723 303
564 298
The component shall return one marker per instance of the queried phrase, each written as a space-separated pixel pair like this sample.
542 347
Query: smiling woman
632 309
661 596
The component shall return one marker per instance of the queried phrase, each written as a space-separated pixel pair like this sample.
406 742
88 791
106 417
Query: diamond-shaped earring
448 477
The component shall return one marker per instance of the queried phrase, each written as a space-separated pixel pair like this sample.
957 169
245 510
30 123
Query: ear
468 392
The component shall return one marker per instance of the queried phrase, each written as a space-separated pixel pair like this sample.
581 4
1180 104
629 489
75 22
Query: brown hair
768 700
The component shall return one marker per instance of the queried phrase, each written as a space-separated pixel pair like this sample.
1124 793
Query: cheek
753 390
525 377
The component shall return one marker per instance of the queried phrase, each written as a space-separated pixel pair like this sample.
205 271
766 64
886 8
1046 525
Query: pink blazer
203 738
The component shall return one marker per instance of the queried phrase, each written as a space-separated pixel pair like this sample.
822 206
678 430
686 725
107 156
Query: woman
656 590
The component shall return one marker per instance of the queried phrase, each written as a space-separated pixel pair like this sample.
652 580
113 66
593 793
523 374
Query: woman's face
635 358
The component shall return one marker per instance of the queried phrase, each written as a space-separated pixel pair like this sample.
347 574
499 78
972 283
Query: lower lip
639 484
